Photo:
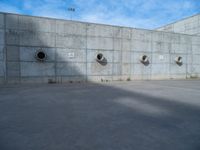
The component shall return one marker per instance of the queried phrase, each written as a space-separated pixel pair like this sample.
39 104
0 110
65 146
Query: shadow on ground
92 116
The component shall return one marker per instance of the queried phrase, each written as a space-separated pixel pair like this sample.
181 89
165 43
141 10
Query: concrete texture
71 48
190 25
142 115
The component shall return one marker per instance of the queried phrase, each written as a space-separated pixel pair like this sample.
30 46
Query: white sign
161 57
71 55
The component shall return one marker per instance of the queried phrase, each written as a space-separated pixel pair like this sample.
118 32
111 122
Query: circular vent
100 57
144 59
40 55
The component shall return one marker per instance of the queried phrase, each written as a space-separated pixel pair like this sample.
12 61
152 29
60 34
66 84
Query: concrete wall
189 25
71 49
2 46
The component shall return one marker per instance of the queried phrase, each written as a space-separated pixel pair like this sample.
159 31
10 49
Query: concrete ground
139 115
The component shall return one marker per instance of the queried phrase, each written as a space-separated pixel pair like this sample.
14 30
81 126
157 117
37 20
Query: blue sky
133 13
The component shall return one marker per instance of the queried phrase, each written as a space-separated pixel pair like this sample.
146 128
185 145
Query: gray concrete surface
189 25
140 115
72 46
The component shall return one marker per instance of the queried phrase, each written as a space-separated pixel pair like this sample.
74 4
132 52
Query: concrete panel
100 43
157 36
175 47
37 24
183 48
12 53
71 28
176 69
117 44
117 69
185 39
196 49
195 39
117 56
126 68
65 69
158 47
69 69
30 38
162 47
70 41
13 69
70 55
12 37
1 53
1 20
99 30
167 37
92 55
2 69
80 69
2 40
141 69
195 69
37 69
117 32
195 59
2 81
126 33
141 46
176 38
98 69
126 57
189 58
142 35
26 22
12 21
160 70
126 45
28 53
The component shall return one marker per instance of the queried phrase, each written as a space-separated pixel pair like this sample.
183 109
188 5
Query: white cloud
134 13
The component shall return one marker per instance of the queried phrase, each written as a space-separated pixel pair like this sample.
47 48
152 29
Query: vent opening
40 55
100 57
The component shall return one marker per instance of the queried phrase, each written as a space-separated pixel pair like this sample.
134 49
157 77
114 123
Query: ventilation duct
179 60
100 57
40 55
144 59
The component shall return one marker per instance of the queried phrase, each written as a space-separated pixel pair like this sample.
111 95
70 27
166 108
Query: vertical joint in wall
5 50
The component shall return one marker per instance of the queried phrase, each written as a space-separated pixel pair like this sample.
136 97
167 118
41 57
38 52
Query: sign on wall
71 55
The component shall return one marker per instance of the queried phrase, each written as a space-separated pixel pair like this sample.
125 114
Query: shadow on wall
29 38
67 57
98 117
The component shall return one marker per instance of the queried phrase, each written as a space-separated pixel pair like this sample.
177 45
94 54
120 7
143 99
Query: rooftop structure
189 26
